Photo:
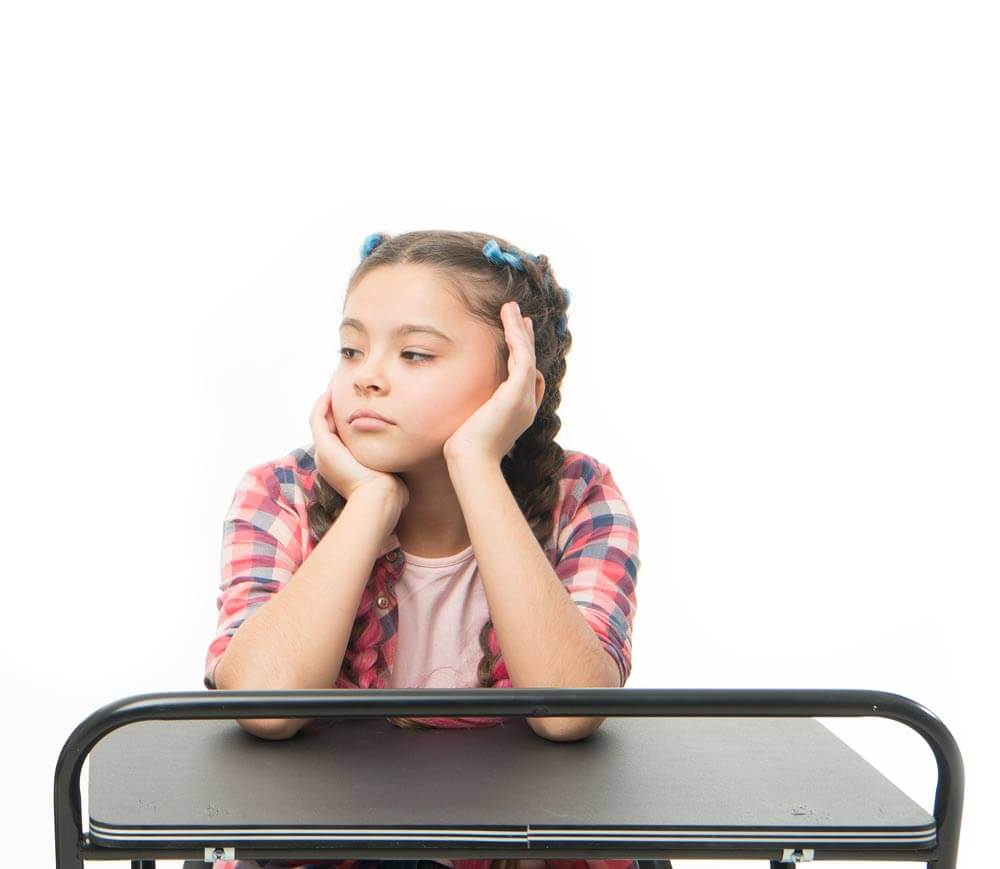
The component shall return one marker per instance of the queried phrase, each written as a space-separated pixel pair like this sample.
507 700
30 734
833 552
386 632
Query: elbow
565 729
572 729
269 728
273 728
264 728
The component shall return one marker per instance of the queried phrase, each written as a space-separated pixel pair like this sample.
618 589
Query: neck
432 524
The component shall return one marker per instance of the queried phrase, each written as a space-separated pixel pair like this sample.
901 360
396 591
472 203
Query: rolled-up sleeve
598 561
260 553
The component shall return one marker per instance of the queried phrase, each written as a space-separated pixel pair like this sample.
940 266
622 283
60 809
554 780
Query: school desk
686 774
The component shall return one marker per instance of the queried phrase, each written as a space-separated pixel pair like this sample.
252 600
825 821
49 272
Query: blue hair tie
562 322
495 254
370 243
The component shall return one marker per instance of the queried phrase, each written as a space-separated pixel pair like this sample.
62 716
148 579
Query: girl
453 542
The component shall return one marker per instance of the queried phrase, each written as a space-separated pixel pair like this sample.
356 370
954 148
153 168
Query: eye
424 356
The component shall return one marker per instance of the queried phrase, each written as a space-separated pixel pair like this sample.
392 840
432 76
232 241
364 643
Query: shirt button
382 602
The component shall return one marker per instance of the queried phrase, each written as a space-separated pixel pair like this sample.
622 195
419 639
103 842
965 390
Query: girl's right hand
337 464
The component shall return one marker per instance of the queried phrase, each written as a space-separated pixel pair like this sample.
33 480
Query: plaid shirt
593 548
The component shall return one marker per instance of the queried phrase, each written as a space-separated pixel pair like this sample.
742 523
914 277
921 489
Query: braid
533 467
558 299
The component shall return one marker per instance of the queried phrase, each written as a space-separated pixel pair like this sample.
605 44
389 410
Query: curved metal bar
511 702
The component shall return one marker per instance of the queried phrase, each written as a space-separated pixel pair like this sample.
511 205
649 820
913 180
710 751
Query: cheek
435 406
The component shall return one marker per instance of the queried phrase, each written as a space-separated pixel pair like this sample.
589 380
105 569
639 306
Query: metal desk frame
73 846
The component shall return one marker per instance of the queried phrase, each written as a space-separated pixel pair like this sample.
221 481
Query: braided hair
484 273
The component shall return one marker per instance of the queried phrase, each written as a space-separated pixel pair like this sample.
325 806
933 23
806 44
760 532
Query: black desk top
649 781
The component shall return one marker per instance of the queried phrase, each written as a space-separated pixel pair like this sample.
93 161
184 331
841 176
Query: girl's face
426 384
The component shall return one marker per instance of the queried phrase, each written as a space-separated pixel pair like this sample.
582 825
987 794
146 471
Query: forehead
393 294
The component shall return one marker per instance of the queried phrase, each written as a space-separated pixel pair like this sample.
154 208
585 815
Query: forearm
298 638
545 639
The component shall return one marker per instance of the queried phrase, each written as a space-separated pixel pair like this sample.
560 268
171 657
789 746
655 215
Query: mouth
365 415
369 423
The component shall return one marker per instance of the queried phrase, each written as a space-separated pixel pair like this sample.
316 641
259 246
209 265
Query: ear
539 387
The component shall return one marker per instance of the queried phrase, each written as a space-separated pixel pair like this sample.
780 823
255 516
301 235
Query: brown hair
533 466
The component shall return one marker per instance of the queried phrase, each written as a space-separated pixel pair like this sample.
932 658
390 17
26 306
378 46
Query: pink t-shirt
442 608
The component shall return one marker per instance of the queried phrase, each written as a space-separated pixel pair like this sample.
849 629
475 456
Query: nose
368 387
369 376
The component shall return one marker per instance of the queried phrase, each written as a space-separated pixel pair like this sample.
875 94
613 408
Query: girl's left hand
490 432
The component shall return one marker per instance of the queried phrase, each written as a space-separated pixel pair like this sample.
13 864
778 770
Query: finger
521 364
331 425
517 319
520 341
514 335
529 337
315 415
319 411
508 316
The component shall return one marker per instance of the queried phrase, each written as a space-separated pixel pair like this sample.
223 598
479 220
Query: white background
778 223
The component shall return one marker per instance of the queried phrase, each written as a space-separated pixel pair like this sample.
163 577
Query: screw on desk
794 855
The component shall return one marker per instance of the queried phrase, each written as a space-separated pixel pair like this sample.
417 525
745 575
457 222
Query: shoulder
581 478
589 500
285 482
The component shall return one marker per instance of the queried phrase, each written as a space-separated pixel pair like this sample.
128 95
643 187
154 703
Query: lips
368 413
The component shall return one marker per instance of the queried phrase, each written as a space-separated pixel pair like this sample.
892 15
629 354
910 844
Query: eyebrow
402 330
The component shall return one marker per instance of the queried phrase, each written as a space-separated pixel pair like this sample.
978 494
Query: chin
386 460
389 460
